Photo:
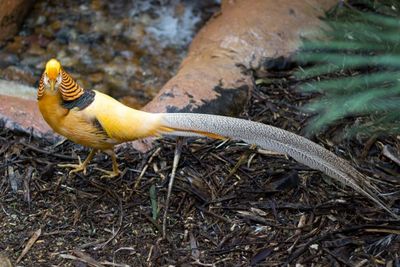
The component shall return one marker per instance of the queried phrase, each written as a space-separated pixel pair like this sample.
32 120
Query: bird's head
52 74
56 82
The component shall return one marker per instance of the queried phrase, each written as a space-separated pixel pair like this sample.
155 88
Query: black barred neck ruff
69 88
40 91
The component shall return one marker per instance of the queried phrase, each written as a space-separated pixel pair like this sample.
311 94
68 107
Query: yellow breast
76 125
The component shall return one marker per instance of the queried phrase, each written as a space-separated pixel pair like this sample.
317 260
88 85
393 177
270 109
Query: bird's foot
81 167
109 174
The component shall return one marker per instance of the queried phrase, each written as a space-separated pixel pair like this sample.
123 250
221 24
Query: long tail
274 139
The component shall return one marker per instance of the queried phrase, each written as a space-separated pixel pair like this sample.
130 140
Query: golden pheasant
98 121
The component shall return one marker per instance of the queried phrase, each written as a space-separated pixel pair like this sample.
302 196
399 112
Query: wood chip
30 243
389 152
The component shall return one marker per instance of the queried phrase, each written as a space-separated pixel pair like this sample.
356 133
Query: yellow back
122 123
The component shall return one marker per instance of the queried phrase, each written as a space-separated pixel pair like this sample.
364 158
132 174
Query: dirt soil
231 205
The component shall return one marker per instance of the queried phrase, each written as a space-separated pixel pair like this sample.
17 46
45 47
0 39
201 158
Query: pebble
65 35
40 20
132 102
96 77
16 46
31 61
56 25
66 60
116 82
7 59
101 87
14 73
35 50
126 54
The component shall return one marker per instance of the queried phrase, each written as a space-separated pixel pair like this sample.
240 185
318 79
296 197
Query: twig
83 257
390 153
336 257
27 179
368 146
101 246
61 156
145 167
29 245
366 228
219 217
177 155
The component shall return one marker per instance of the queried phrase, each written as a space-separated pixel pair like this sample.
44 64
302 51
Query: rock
216 77
17 46
19 111
40 20
116 82
96 77
67 61
12 88
36 50
23 115
66 35
101 87
132 102
7 59
14 73
12 13
31 61
53 47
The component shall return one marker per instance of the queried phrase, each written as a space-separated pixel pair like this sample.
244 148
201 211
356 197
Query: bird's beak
52 84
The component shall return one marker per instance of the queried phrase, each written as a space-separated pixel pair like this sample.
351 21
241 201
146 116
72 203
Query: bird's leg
115 172
81 166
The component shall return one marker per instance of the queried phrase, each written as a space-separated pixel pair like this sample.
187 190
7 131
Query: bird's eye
59 78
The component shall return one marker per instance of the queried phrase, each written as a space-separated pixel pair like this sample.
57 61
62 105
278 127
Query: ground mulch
231 205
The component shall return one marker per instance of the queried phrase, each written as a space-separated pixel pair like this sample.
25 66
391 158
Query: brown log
246 35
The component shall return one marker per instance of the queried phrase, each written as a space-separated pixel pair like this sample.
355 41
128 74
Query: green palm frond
356 68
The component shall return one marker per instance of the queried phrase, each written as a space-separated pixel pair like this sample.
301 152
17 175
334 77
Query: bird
100 122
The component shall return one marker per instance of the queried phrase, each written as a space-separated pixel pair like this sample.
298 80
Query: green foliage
356 69
153 201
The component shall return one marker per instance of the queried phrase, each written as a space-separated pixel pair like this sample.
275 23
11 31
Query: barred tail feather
274 139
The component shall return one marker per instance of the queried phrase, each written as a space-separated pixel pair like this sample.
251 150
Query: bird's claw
76 168
108 174
81 167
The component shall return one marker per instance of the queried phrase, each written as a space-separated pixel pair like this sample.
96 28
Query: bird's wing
121 122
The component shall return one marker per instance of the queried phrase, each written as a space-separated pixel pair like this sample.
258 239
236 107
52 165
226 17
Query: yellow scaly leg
115 172
81 166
